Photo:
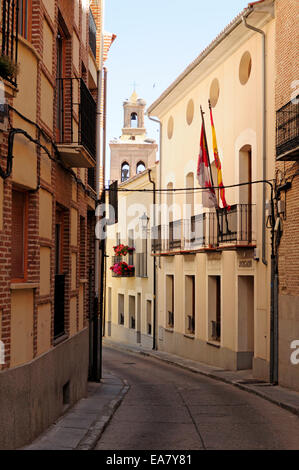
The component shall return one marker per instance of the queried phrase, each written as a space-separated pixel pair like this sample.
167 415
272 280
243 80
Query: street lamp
144 221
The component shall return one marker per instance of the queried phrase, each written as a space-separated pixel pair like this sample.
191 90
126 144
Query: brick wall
60 188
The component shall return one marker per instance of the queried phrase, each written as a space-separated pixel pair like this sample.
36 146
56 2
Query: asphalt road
168 408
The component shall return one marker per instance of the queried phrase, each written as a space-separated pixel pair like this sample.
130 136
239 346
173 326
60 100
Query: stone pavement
242 379
82 426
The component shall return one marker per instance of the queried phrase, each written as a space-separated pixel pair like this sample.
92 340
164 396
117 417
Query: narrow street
170 408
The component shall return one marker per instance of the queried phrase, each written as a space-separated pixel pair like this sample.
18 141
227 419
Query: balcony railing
92 34
287 131
9 44
123 270
235 225
76 115
206 230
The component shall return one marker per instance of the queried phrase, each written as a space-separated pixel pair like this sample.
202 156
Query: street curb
287 406
96 430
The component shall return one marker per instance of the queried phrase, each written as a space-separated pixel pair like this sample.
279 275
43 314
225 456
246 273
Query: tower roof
134 97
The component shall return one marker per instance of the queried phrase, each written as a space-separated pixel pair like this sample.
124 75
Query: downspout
103 248
97 320
154 268
160 168
253 28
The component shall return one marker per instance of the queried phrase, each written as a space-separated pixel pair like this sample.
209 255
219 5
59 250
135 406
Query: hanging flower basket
8 68
122 250
122 269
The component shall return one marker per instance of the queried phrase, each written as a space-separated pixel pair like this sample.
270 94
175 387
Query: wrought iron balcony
75 123
208 230
92 34
287 131
235 225
120 267
9 43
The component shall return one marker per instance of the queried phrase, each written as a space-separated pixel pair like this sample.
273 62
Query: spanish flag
217 162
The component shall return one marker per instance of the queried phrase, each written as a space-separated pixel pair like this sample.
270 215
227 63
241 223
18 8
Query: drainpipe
160 167
154 268
253 28
97 319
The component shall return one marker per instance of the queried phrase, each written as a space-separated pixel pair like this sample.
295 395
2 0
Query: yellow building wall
25 100
24 171
74 227
43 328
45 214
48 49
47 98
50 7
73 316
21 327
45 271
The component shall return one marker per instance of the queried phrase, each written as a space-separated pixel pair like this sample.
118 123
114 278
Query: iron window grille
287 131
76 104
216 330
92 34
10 27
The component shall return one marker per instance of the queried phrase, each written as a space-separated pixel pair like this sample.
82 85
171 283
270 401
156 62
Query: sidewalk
242 379
82 426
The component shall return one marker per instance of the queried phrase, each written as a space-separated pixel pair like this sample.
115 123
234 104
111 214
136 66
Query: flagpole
205 137
207 149
218 189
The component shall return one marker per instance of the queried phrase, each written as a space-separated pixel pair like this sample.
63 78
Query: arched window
134 121
140 167
125 171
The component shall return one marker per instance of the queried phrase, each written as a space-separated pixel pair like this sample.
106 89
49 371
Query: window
125 171
60 50
170 300
121 309
190 304
9 39
149 317
19 235
131 245
92 34
25 11
134 121
132 311
140 167
214 307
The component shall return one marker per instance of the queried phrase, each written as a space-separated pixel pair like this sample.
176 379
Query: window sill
189 335
23 285
60 339
83 281
170 330
216 344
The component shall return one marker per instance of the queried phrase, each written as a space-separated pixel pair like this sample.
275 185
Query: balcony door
59 327
60 53
245 192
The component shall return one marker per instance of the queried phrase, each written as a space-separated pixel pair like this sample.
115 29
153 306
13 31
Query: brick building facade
287 176
47 203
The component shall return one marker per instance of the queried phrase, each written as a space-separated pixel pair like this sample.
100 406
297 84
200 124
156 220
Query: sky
156 40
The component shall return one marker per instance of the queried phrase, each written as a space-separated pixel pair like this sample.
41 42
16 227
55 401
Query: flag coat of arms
208 197
218 163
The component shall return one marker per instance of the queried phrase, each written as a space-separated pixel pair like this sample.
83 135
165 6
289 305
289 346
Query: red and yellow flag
218 164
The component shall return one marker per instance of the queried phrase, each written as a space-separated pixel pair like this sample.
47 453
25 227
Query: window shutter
18 234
